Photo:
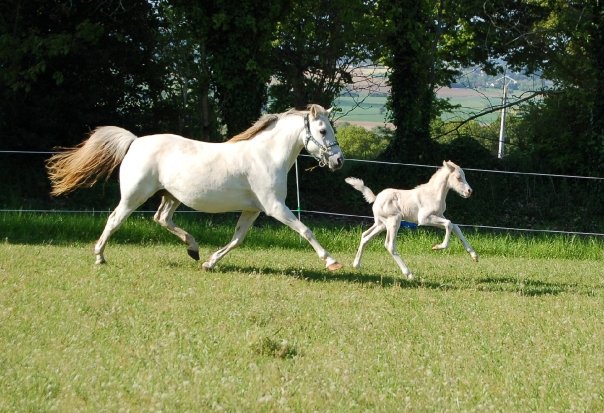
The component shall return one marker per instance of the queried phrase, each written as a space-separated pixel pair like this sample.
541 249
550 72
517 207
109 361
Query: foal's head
457 179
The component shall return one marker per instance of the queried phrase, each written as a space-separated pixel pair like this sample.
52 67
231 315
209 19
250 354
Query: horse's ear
449 165
329 110
316 110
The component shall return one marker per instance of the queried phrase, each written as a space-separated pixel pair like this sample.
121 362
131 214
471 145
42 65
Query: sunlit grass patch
271 330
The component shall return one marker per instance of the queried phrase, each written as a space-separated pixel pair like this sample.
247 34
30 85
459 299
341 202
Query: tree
317 46
564 41
409 55
238 46
67 67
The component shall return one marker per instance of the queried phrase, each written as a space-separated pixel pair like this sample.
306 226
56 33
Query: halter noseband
322 148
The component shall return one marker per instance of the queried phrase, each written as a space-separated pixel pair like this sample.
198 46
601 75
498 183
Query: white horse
424 205
247 173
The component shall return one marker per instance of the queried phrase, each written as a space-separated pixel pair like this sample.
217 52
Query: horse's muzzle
335 162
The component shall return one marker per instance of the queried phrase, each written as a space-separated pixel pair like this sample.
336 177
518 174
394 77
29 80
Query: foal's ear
328 111
449 165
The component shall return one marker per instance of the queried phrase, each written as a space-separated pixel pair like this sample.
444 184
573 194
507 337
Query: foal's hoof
206 266
474 256
334 267
193 254
436 247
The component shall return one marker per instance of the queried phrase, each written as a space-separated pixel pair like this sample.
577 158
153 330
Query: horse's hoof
193 254
206 266
410 277
334 267
436 247
474 256
100 261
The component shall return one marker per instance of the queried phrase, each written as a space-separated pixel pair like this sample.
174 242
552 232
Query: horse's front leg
439 222
283 214
465 242
245 222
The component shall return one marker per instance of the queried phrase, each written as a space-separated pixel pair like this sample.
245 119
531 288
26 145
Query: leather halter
322 148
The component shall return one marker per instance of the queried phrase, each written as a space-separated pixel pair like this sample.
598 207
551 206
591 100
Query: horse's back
209 177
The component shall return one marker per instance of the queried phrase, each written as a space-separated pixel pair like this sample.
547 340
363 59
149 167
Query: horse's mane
261 124
267 120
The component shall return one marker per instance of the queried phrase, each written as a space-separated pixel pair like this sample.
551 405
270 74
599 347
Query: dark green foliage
68 67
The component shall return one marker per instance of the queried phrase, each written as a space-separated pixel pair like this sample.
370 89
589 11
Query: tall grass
271 330
216 230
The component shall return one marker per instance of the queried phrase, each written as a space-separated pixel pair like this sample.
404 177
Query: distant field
271 330
372 110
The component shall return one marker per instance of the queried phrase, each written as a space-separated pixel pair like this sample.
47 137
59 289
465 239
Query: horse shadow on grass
343 275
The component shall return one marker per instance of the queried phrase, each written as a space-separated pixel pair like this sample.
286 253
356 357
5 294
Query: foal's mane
440 173
267 120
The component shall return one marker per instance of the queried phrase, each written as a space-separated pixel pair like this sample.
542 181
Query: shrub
360 143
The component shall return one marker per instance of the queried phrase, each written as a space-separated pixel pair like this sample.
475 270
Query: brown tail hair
86 163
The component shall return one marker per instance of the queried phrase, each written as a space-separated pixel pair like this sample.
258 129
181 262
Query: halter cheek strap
322 148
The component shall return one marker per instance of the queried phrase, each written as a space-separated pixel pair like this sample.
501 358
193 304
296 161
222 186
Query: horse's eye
323 132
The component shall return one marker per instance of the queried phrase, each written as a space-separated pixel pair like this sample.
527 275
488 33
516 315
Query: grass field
471 101
271 330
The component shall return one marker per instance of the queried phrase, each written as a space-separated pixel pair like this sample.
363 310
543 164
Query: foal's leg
439 222
375 229
392 226
283 214
163 217
465 242
246 220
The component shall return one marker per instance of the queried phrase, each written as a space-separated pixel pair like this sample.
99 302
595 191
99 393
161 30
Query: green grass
471 102
271 330
371 110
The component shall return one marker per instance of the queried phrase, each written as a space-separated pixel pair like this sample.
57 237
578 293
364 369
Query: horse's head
320 138
457 179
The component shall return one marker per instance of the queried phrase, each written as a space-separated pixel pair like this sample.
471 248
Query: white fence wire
299 211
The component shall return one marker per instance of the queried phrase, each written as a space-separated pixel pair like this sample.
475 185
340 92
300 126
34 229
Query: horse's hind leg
392 227
365 238
115 220
163 217
245 222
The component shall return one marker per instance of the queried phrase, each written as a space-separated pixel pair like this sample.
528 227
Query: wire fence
300 211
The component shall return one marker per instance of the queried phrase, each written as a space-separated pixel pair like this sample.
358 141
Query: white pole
502 126
297 190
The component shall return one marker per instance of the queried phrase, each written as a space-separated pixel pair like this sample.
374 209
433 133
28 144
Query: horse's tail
359 185
86 163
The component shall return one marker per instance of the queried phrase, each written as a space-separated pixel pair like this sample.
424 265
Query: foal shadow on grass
522 287
528 287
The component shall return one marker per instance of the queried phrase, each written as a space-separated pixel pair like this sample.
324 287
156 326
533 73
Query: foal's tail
359 185
86 163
